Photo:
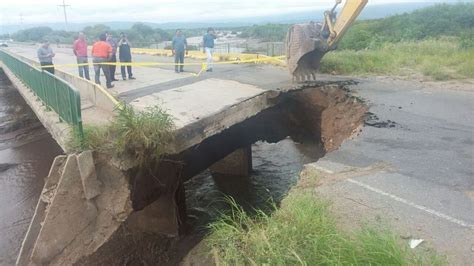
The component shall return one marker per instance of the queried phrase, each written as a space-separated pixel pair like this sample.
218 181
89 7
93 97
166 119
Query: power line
64 6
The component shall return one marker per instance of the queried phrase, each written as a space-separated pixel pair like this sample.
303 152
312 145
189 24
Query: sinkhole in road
299 130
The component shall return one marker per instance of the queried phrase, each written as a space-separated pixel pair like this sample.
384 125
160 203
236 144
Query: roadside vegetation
439 59
303 232
437 42
142 136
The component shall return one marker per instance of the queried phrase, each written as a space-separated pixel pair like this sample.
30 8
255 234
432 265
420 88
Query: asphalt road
412 166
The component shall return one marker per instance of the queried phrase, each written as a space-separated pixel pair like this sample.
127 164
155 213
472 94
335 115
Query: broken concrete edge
213 124
192 134
61 132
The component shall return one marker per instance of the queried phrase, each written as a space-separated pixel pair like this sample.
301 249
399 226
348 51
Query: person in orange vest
102 53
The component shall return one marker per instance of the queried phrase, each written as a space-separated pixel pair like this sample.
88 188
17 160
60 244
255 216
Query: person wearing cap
45 57
180 47
80 51
125 56
208 45
101 53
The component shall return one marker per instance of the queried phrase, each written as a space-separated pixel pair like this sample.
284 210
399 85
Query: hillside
431 22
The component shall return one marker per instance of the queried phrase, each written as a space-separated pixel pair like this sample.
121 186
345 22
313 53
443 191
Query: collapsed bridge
89 197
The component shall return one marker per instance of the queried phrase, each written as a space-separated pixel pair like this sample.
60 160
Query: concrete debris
48 193
74 217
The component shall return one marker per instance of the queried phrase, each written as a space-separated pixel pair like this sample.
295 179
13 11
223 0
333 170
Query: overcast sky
37 11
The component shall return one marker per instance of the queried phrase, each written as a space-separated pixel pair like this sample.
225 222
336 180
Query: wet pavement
412 166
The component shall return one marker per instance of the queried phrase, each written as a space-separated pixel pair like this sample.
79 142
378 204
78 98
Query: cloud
34 11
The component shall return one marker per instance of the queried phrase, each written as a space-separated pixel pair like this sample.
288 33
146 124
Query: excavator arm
347 16
308 43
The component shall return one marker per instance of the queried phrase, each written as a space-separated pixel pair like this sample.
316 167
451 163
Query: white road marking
322 169
414 205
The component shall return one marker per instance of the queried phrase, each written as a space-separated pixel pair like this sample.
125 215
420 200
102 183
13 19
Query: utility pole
64 6
21 21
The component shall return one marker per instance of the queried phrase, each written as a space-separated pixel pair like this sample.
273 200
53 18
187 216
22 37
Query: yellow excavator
307 43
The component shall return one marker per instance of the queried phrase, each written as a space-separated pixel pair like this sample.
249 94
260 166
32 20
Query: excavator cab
307 43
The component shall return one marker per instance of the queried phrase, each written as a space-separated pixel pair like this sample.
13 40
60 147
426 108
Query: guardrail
55 93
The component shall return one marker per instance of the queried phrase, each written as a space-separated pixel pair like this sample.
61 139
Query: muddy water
26 154
276 169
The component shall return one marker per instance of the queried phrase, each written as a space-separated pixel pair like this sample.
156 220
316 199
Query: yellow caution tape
254 60
257 60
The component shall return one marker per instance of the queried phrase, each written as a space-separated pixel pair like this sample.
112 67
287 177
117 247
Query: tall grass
144 135
440 59
303 232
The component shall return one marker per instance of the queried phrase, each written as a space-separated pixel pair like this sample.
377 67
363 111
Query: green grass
143 136
440 59
303 232
95 138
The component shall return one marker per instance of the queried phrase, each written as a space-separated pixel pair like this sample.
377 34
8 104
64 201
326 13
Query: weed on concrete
143 136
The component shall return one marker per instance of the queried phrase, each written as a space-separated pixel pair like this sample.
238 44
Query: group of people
104 55
180 48
104 51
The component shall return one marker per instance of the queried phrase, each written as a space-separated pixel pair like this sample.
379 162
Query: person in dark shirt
113 59
208 44
125 56
180 47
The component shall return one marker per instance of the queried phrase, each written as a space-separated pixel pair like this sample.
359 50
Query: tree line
139 34
432 22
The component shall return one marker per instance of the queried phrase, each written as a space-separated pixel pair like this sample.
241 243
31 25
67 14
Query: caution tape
150 64
147 64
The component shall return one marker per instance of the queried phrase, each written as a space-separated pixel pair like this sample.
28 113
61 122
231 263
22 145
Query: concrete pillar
165 216
238 163
158 198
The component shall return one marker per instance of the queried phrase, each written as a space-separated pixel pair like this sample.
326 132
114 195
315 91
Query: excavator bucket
307 43
305 48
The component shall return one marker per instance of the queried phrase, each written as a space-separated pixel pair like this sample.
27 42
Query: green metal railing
55 93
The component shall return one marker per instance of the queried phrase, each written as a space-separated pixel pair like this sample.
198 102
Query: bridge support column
165 216
238 163
158 199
